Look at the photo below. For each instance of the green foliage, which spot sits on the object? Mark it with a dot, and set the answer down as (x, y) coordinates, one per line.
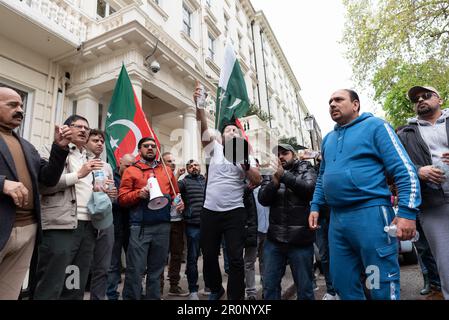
(411, 31)
(396, 44)
(254, 109)
(392, 82)
(291, 141)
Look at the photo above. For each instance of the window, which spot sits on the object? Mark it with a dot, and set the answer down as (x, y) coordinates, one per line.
(186, 21)
(210, 46)
(104, 9)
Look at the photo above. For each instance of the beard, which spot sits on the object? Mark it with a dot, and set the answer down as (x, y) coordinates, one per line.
(425, 110)
(195, 173)
(148, 157)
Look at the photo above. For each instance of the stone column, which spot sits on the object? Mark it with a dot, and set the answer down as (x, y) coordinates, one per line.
(137, 83)
(190, 139)
(87, 106)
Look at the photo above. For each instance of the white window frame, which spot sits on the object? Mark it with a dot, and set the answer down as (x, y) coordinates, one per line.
(211, 46)
(107, 10)
(187, 24)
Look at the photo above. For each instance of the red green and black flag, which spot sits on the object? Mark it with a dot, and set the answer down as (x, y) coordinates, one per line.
(126, 123)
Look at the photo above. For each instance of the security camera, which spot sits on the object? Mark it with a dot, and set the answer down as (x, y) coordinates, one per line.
(155, 66)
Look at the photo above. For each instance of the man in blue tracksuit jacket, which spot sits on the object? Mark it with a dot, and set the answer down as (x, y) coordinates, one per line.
(357, 158)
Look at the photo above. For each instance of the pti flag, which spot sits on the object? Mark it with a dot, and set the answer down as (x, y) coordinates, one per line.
(232, 98)
(126, 123)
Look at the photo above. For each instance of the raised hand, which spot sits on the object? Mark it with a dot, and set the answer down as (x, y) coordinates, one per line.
(63, 135)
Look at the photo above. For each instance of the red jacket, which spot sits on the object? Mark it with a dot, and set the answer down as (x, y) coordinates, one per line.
(136, 177)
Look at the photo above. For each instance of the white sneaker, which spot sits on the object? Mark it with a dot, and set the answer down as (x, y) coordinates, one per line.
(328, 296)
(193, 296)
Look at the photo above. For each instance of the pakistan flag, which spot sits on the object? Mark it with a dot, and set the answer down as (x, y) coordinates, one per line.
(232, 97)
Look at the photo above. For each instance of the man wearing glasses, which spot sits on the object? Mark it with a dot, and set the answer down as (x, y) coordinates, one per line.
(426, 140)
(149, 229)
(68, 238)
(21, 169)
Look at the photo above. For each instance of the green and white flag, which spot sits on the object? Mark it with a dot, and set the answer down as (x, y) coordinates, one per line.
(232, 97)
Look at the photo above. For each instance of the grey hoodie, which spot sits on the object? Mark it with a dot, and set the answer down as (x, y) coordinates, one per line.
(434, 135)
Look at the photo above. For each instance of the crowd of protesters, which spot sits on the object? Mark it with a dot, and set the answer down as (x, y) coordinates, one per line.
(68, 218)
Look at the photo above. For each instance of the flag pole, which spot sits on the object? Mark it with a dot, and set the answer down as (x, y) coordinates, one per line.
(219, 110)
(165, 168)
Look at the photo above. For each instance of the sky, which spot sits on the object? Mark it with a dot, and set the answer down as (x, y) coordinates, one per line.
(309, 33)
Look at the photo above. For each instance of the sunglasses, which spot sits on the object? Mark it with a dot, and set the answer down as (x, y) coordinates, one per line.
(425, 96)
(152, 146)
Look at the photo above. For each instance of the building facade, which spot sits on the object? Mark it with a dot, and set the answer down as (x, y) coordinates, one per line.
(64, 57)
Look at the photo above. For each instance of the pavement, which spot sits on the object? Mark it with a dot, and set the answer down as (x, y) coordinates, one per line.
(411, 284)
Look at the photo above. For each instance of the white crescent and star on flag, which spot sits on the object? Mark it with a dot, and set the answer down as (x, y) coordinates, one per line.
(132, 126)
(236, 102)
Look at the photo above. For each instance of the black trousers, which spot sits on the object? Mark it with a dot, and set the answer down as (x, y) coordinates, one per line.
(231, 224)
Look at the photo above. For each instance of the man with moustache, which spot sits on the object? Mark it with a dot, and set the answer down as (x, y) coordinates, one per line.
(192, 192)
(21, 170)
(68, 234)
(150, 229)
(426, 140)
(357, 157)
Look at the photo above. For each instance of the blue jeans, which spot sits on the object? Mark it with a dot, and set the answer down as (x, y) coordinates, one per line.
(358, 244)
(322, 241)
(301, 265)
(193, 252)
(121, 240)
(148, 247)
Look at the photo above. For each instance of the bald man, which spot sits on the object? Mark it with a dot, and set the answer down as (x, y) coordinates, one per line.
(121, 231)
(21, 169)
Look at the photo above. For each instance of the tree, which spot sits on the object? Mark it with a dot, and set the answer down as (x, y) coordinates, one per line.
(396, 44)
(291, 141)
(392, 82)
(254, 109)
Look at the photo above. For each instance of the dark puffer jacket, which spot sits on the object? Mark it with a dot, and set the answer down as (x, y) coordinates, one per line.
(192, 193)
(290, 205)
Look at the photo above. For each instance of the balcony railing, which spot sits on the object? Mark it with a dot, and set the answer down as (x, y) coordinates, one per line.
(53, 14)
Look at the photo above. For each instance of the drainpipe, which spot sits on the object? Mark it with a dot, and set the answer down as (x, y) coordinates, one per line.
(265, 74)
(255, 63)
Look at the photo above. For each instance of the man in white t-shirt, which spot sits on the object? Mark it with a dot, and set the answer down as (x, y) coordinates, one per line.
(224, 212)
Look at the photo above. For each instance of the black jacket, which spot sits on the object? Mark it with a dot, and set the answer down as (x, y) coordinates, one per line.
(192, 193)
(290, 205)
(251, 219)
(47, 173)
(420, 155)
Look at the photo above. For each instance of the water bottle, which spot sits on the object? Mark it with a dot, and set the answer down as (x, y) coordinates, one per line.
(201, 100)
(445, 168)
(99, 179)
(392, 229)
(174, 214)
